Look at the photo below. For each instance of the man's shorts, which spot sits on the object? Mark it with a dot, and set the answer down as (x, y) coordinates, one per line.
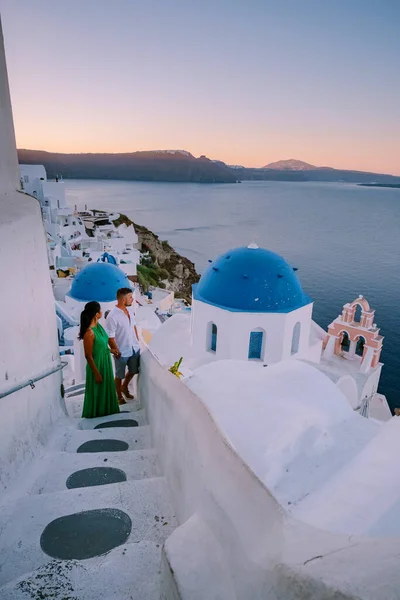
(132, 362)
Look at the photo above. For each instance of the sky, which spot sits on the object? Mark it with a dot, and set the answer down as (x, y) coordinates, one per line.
(243, 81)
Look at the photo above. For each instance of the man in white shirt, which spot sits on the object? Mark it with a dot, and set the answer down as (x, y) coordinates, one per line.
(124, 339)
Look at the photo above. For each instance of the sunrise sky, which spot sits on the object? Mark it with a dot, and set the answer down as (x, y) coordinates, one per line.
(245, 81)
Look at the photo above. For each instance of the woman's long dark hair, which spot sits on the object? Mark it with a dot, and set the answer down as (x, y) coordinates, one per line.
(87, 315)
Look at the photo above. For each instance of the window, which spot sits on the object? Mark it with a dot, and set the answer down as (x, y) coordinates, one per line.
(213, 337)
(358, 314)
(26, 179)
(296, 338)
(345, 343)
(360, 346)
(256, 344)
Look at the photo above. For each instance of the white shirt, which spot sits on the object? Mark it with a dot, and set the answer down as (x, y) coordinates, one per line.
(120, 327)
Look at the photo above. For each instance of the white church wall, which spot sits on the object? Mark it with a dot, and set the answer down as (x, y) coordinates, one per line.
(28, 335)
(314, 351)
(234, 328)
(234, 540)
(302, 316)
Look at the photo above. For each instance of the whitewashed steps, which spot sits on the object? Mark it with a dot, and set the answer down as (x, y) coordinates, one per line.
(130, 572)
(145, 501)
(56, 467)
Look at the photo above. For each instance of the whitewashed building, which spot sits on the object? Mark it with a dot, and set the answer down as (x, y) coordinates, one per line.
(238, 482)
(249, 305)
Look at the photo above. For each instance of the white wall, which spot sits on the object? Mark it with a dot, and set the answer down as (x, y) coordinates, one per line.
(28, 327)
(234, 332)
(28, 332)
(128, 268)
(55, 190)
(348, 387)
(234, 541)
(129, 233)
(33, 172)
(9, 171)
(372, 383)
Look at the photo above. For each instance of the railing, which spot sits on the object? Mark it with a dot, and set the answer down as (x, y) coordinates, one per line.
(32, 381)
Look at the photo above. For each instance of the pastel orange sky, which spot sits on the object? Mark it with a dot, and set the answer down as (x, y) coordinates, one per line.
(247, 83)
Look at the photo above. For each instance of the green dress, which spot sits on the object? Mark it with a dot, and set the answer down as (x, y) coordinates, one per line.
(100, 398)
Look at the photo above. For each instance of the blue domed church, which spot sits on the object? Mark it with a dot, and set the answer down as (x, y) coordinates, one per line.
(249, 305)
(97, 281)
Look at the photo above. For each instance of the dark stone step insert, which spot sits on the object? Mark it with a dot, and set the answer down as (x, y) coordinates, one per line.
(95, 476)
(86, 534)
(103, 446)
(120, 423)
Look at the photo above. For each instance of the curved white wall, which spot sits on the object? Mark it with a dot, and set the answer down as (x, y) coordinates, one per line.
(9, 172)
(28, 327)
(235, 541)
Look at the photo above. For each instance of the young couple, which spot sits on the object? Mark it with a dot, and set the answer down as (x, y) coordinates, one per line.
(103, 393)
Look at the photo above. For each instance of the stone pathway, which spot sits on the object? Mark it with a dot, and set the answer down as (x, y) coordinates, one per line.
(94, 516)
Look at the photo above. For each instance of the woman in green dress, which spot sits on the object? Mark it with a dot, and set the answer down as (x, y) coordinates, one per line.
(100, 394)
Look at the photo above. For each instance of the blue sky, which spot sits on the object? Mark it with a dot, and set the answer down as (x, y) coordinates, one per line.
(246, 82)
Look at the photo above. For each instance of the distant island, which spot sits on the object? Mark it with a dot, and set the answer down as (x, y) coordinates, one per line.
(382, 185)
(167, 165)
(182, 166)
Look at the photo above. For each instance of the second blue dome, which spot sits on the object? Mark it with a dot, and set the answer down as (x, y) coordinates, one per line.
(98, 281)
(251, 279)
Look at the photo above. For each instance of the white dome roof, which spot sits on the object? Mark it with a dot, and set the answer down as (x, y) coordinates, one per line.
(288, 421)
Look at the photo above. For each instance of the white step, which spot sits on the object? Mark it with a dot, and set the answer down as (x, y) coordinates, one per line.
(138, 416)
(69, 439)
(55, 467)
(130, 572)
(21, 524)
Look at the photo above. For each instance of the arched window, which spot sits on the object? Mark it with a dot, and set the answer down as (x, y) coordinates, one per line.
(256, 344)
(345, 343)
(357, 314)
(212, 337)
(296, 338)
(360, 346)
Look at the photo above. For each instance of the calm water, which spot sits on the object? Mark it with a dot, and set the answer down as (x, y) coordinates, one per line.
(344, 239)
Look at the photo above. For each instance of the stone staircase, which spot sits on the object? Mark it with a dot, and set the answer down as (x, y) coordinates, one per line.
(118, 508)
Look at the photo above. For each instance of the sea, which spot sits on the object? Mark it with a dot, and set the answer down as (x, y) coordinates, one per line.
(343, 238)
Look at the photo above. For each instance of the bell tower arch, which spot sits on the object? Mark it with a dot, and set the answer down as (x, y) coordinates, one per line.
(355, 340)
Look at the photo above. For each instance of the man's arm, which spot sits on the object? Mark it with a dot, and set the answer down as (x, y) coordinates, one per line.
(113, 347)
(110, 328)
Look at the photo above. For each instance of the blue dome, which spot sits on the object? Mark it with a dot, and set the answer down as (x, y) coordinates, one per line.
(99, 281)
(251, 280)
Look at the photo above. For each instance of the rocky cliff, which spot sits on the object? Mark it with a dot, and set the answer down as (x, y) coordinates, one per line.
(178, 271)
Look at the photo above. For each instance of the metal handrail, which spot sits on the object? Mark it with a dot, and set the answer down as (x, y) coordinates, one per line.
(32, 381)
